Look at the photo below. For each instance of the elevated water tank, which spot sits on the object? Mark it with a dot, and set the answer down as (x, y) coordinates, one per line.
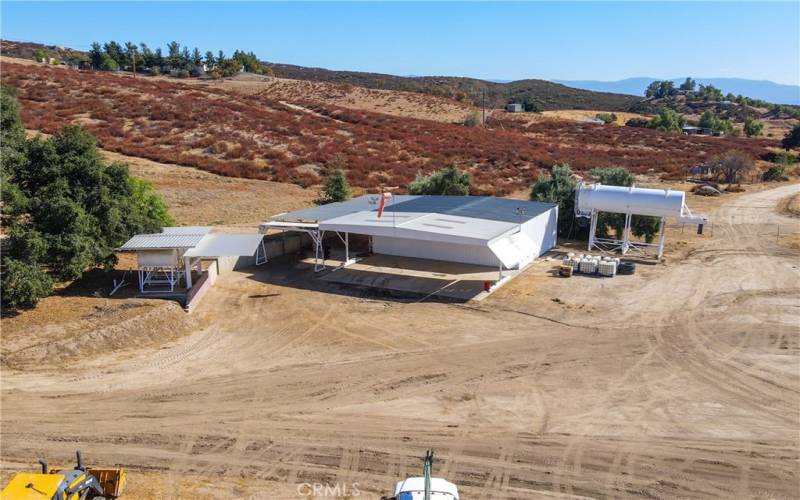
(639, 201)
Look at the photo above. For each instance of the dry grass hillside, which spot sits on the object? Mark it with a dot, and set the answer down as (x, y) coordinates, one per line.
(290, 137)
(390, 102)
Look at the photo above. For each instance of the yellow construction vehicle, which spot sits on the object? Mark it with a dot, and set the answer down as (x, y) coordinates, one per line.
(80, 483)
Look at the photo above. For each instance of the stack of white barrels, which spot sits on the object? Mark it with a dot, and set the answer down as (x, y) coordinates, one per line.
(608, 266)
(573, 261)
(592, 264)
(588, 264)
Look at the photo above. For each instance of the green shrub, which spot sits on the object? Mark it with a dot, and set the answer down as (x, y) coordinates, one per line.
(336, 188)
(792, 138)
(784, 158)
(558, 187)
(607, 118)
(753, 128)
(449, 181)
(667, 120)
(775, 173)
(473, 119)
(637, 122)
(24, 284)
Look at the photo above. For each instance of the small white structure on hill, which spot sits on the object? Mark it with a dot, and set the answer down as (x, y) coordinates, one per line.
(594, 198)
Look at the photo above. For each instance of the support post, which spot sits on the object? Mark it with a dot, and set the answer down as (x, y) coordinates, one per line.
(626, 234)
(592, 230)
(187, 264)
(346, 248)
(317, 237)
(261, 253)
(500, 273)
(661, 230)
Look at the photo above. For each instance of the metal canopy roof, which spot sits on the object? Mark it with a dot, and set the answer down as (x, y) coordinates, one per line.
(196, 241)
(478, 207)
(161, 241)
(226, 245)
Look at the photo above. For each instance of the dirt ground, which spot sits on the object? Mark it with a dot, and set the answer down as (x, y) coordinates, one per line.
(681, 381)
(196, 197)
(584, 115)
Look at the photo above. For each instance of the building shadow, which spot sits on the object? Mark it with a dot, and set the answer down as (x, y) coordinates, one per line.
(292, 271)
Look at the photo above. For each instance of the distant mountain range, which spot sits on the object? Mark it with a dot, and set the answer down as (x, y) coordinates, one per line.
(757, 89)
(546, 94)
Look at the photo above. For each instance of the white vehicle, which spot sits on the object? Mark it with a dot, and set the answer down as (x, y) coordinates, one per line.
(426, 487)
(413, 488)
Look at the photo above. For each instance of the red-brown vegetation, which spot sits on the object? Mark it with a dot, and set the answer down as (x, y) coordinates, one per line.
(259, 137)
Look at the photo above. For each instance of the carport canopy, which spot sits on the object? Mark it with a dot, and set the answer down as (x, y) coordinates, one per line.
(226, 245)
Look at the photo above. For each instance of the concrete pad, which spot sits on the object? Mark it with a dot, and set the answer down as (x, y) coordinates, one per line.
(416, 276)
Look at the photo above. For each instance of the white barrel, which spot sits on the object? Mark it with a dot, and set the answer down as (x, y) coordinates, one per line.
(588, 266)
(607, 268)
(639, 201)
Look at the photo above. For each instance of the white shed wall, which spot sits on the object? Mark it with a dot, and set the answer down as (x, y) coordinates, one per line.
(157, 258)
(436, 250)
(540, 236)
(542, 230)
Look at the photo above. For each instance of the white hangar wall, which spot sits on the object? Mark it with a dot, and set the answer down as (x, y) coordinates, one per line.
(539, 233)
(436, 250)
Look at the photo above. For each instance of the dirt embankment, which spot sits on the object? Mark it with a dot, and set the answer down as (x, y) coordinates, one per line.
(790, 205)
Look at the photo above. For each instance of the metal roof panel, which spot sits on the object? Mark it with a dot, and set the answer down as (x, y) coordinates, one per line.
(161, 241)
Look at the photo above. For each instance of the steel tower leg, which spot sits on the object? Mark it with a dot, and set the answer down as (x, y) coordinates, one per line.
(592, 230)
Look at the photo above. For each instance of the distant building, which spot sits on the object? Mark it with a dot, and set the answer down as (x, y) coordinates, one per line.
(704, 170)
(692, 130)
(514, 107)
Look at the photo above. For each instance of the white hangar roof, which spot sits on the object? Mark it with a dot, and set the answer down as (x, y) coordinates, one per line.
(471, 220)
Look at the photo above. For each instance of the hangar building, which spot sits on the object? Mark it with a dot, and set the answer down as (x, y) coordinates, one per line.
(481, 230)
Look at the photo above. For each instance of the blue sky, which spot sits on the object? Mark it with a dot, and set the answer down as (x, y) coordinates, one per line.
(565, 40)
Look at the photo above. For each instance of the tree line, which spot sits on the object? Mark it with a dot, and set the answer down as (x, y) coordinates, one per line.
(64, 209)
(177, 59)
(669, 120)
(665, 89)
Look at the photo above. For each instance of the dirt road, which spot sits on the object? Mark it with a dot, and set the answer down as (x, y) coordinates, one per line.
(680, 381)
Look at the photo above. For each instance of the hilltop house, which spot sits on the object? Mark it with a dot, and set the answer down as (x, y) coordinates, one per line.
(693, 130)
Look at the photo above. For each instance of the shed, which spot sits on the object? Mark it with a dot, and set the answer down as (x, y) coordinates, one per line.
(165, 259)
(514, 107)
